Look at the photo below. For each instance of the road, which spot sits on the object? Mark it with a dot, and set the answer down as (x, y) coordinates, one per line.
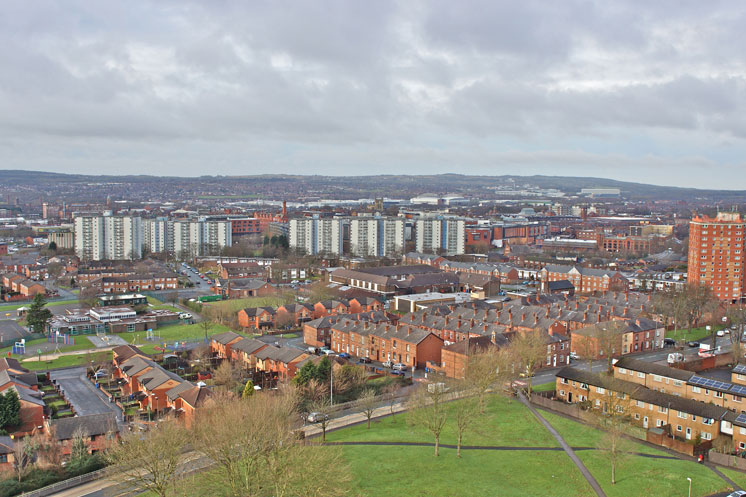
(548, 375)
(82, 394)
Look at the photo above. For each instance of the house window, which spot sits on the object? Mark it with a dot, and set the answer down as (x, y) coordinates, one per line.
(719, 395)
(3, 458)
(657, 378)
(696, 390)
(741, 445)
(562, 393)
(600, 390)
(707, 421)
(677, 383)
(742, 430)
(564, 381)
(678, 427)
(681, 414)
(706, 436)
(736, 398)
(640, 404)
(640, 374)
(662, 409)
(637, 416)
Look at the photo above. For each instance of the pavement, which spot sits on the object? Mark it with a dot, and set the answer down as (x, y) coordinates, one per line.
(82, 394)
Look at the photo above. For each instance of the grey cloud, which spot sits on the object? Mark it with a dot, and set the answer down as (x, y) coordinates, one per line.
(390, 85)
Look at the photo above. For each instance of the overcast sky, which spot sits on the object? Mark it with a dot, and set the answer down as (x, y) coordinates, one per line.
(641, 91)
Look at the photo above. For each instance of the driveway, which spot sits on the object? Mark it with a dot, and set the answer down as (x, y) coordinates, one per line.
(82, 394)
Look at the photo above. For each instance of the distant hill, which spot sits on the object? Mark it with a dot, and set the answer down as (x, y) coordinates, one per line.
(389, 185)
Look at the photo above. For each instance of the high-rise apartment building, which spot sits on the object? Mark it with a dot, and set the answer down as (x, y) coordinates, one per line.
(440, 235)
(108, 237)
(716, 254)
(314, 235)
(376, 236)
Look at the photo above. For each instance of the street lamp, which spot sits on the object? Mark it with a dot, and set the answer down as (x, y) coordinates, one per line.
(690, 486)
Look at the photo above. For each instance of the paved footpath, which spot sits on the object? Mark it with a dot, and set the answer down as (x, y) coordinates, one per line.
(568, 450)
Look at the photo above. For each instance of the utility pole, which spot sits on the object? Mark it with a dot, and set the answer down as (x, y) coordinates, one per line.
(331, 384)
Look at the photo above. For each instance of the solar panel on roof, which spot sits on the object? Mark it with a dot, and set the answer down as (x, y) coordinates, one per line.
(741, 418)
(740, 368)
(738, 389)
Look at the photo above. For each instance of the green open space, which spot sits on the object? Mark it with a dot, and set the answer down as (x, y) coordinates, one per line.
(544, 387)
(637, 475)
(61, 362)
(381, 470)
(81, 343)
(235, 305)
(505, 422)
(738, 477)
(691, 333)
(14, 307)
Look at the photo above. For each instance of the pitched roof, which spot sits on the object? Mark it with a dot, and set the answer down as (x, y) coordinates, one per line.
(641, 393)
(248, 345)
(652, 368)
(196, 396)
(93, 424)
(124, 352)
(226, 338)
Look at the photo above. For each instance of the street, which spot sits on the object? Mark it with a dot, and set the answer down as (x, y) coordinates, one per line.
(83, 395)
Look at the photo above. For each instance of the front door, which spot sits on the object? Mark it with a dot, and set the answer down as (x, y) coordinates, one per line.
(688, 433)
(645, 422)
(569, 397)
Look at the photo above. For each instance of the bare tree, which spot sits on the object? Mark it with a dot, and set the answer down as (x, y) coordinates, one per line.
(23, 457)
(367, 403)
(529, 349)
(206, 325)
(737, 318)
(390, 394)
(256, 452)
(150, 462)
(465, 415)
(284, 320)
(322, 411)
(428, 411)
(172, 298)
(611, 415)
(486, 370)
(88, 296)
(227, 375)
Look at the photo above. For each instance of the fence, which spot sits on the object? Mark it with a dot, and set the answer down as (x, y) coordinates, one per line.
(65, 484)
(727, 460)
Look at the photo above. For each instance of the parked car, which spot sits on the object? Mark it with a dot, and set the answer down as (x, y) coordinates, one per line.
(399, 367)
(737, 493)
(101, 373)
(185, 315)
(364, 360)
(344, 355)
(313, 350)
(387, 364)
(574, 356)
(693, 344)
(327, 351)
(396, 372)
(668, 341)
(316, 417)
(720, 333)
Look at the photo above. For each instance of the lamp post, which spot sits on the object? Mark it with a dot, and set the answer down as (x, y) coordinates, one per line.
(331, 385)
(690, 486)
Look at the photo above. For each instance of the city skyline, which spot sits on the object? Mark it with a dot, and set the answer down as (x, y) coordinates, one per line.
(649, 94)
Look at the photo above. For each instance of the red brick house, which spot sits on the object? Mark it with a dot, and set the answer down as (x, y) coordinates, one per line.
(330, 307)
(243, 352)
(220, 345)
(633, 336)
(241, 288)
(300, 313)
(256, 317)
(99, 431)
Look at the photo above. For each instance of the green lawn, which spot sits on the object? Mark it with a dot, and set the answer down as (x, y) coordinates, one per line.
(81, 343)
(546, 387)
(176, 332)
(414, 471)
(61, 362)
(505, 422)
(13, 307)
(691, 334)
(636, 475)
(235, 305)
(737, 476)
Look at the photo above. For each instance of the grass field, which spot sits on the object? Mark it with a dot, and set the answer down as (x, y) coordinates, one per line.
(414, 471)
(737, 476)
(545, 387)
(81, 343)
(691, 334)
(637, 475)
(235, 305)
(13, 307)
(61, 362)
